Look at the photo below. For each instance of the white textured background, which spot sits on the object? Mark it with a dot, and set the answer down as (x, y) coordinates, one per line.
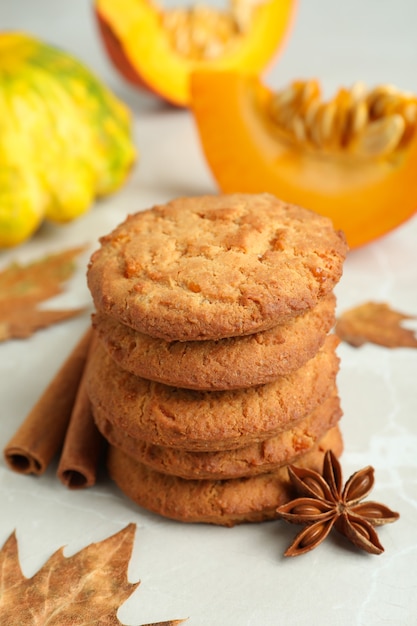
(216, 576)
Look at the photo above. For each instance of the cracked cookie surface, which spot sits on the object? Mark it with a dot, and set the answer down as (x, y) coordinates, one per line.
(211, 267)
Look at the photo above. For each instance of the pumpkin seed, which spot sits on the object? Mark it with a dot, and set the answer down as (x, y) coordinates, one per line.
(381, 137)
(371, 123)
(202, 32)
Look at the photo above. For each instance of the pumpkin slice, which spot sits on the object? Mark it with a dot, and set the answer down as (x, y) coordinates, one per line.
(159, 49)
(352, 158)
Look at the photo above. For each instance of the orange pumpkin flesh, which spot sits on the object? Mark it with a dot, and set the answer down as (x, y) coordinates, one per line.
(139, 46)
(364, 196)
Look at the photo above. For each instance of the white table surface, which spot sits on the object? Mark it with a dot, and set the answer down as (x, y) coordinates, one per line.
(218, 576)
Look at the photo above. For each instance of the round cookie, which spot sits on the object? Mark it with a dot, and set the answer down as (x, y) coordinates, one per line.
(215, 266)
(228, 363)
(207, 420)
(222, 502)
(257, 458)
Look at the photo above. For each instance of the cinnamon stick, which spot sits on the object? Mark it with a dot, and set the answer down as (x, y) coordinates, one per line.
(83, 442)
(41, 434)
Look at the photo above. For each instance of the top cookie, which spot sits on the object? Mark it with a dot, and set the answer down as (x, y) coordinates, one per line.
(211, 267)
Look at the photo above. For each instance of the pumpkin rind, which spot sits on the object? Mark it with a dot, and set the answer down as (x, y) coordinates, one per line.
(64, 137)
(139, 47)
(365, 197)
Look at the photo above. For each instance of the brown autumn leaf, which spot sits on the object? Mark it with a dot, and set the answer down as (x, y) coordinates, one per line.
(375, 323)
(84, 589)
(24, 287)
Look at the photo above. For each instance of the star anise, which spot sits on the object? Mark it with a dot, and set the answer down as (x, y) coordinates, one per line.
(325, 504)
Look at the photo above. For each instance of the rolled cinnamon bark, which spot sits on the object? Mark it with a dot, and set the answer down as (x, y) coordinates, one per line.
(41, 434)
(83, 443)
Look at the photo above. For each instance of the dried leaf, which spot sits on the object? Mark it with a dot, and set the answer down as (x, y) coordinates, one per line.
(376, 323)
(171, 622)
(84, 589)
(23, 287)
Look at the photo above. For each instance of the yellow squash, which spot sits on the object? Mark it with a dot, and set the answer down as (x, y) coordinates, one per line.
(64, 137)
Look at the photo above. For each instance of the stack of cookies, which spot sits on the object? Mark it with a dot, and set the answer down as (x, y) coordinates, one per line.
(215, 366)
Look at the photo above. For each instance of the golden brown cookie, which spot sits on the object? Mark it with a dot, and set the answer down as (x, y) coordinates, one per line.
(257, 458)
(223, 364)
(208, 420)
(223, 502)
(215, 266)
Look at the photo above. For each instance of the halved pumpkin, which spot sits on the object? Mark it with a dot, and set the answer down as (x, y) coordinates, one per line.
(159, 49)
(353, 159)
